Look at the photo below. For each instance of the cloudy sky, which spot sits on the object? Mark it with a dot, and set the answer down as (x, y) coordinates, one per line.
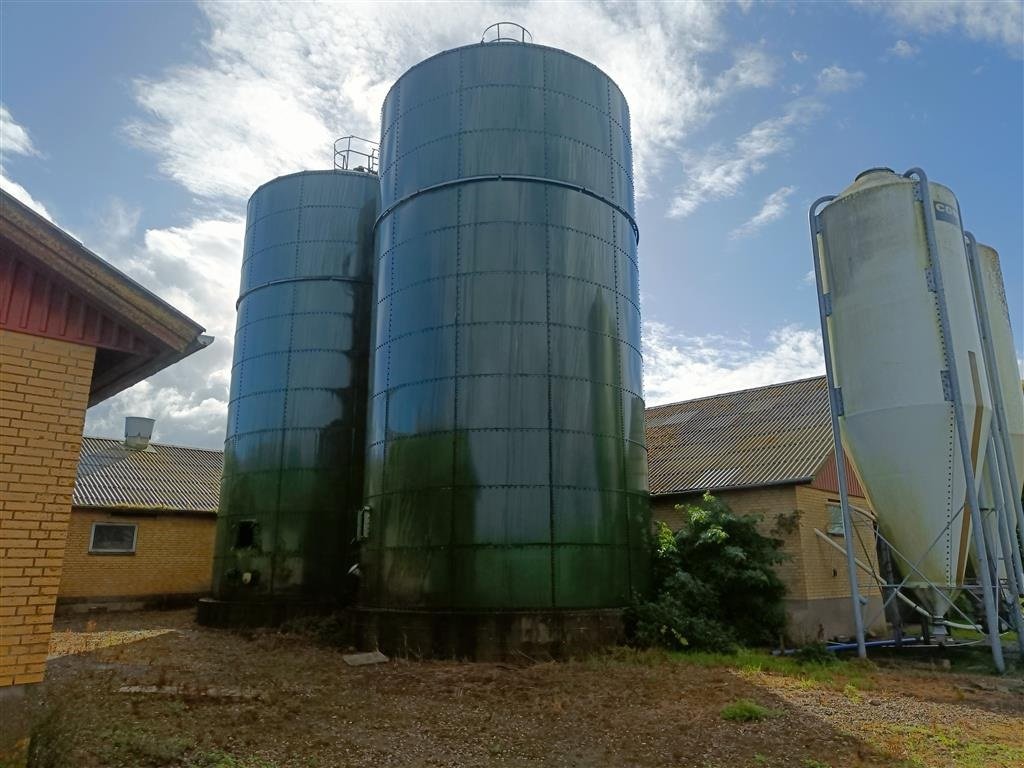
(143, 127)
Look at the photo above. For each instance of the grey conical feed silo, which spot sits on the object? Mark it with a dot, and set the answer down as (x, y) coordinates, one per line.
(293, 457)
(507, 500)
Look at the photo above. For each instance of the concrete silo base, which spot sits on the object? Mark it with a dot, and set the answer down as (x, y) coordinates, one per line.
(487, 636)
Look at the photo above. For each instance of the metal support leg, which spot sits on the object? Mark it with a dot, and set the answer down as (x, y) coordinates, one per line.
(835, 409)
(953, 381)
(1010, 556)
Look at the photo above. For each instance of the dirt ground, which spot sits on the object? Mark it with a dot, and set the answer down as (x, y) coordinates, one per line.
(154, 689)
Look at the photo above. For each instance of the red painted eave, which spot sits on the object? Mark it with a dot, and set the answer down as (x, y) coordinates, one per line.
(53, 286)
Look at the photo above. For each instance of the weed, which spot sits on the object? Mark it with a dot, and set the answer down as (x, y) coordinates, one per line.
(815, 653)
(218, 759)
(747, 711)
(851, 692)
(52, 738)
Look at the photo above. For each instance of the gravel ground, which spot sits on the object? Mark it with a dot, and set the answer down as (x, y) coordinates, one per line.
(987, 731)
(67, 643)
(173, 694)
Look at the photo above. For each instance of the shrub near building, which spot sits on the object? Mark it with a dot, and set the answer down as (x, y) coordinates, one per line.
(715, 584)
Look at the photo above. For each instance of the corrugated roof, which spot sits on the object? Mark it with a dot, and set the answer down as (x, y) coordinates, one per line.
(763, 436)
(163, 477)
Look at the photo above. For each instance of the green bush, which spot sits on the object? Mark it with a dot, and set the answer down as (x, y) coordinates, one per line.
(714, 584)
(747, 711)
(815, 653)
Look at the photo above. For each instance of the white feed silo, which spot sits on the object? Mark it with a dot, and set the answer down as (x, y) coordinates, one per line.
(1009, 374)
(1004, 462)
(890, 357)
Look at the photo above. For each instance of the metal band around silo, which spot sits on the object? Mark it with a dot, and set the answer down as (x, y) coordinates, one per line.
(510, 177)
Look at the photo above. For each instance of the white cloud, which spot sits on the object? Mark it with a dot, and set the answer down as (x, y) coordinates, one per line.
(282, 79)
(753, 69)
(901, 49)
(799, 57)
(196, 269)
(681, 367)
(835, 79)
(989, 21)
(18, 192)
(715, 173)
(809, 278)
(14, 139)
(775, 206)
(279, 81)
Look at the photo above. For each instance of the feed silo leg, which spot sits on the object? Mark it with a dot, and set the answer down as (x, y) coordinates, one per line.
(835, 410)
(951, 385)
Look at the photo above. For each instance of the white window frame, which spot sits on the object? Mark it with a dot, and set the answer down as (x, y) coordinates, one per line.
(92, 539)
(835, 528)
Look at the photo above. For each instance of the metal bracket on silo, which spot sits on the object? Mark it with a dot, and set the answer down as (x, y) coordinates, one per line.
(947, 386)
(950, 381)
(837, 398)
(836, 409)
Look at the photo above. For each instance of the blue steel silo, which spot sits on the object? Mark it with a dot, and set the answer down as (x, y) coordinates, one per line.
(506, 478)
(293, 457)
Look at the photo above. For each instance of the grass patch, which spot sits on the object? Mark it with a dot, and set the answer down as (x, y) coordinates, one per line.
(835, 674)
(920, 745)
(747, 711)
(220, 759)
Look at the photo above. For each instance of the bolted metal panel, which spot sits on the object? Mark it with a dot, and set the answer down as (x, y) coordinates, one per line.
(293, 457)
(506, 464)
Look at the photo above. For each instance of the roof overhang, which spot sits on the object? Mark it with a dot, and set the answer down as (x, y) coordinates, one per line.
(720, 489)
(53, 286)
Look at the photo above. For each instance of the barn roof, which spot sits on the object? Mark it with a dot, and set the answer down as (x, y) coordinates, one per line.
(160, 478)
(769, 435)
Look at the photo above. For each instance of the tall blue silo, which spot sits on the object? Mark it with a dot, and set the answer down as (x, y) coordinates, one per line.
(506, 476)
(293, 457)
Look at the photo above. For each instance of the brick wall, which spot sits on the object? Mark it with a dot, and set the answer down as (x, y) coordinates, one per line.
(173, 555)
(44, 390)
(825, 565)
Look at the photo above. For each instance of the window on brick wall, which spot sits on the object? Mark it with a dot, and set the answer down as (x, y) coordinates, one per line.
(835, 520)
(113, 538)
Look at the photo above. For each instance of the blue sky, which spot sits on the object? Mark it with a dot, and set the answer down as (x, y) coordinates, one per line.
(142, 128)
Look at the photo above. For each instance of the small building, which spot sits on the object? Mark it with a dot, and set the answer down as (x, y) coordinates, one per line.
(73, 332)
(143, 518)
(768, 451)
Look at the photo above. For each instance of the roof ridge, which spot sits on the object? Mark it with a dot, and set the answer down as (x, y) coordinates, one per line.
(737, 392)
(154, 443)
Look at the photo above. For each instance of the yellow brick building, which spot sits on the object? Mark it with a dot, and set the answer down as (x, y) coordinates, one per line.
(73, 332)
(142, 525)
(768, 452)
